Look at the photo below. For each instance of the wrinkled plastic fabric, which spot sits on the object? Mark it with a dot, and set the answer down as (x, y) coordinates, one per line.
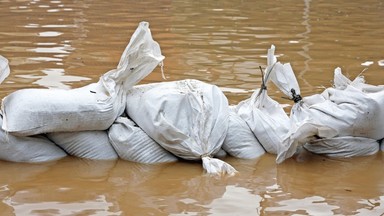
(92, 107)
(264, 116)
(343, 147)
(133, 144)
(92, 145)
(33, 149)
(240, 142)
(189, 118)
(341, 111)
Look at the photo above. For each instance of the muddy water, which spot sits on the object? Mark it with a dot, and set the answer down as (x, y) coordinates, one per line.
(70, 43)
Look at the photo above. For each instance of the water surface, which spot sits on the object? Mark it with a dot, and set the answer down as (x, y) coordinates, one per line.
(70, 43)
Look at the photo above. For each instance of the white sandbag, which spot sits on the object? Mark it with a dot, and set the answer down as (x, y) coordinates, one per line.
(93, 145)
(240, 142)
(264, 116)
(92, 107)
(4, 68)
(28, 149)
(133, 144)
(343, 147)
(341, 111)
(189, 118)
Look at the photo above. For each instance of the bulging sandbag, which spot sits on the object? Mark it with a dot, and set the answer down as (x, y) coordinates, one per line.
(240, 142)
(92, 107)
(31, 149)
(133, 144)
(92, 145)
(189, 118)
(265, 116)
(344, 146)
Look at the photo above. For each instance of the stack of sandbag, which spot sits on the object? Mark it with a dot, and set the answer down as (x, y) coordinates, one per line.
(345, 120)
(265, 117)
(133, 144)
(77, 120)
(189, 118)
(92, 107)
(25, 149)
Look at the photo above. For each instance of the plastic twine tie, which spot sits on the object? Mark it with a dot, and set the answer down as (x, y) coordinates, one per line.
(295, 97)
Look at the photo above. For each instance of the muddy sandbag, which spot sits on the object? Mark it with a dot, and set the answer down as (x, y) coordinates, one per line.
(240, 142)
(133, 144)
(343, 147)
(30, 149)
(189, 118)
(92, 107)
(93, 145)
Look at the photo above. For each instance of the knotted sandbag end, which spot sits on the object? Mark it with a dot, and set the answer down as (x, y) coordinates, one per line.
(216, 166)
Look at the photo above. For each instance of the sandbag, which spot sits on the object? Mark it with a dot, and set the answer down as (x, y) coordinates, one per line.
(93, 145)
(133, 144)
(265, 117)
(92, 107)
(4, 68)
(240, 142)
(189, 118)
(31, 149)
(343, 147)
(342, 110)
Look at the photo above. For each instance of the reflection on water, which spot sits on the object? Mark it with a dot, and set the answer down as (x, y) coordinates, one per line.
(99, 206)
(70, 43)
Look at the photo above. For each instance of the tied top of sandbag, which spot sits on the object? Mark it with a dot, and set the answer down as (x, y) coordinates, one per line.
(283, 77)
(139, 58)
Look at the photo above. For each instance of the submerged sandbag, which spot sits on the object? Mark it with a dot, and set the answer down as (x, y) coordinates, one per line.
(92, 107)
(93, 145)
(28, 149)
(133, 144)
(343, 147)
(240, 142)
(189, 118)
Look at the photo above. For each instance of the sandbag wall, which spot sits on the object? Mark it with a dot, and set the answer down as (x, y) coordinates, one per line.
(186, 119)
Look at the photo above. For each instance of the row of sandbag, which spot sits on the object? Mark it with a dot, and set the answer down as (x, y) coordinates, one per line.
(191, 124)
(163, 109)
(178, 119)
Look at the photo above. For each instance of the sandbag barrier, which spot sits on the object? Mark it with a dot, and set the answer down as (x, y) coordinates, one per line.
(187, 119)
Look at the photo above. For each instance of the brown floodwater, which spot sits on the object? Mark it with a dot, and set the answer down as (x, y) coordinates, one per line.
(70, 43)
